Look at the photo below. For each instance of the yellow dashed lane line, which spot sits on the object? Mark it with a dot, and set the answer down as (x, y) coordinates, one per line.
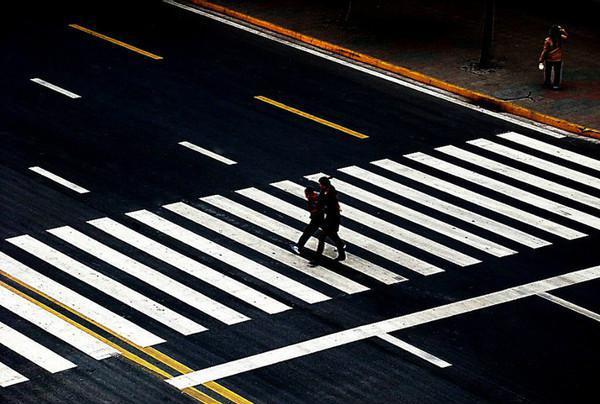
(115, 41)
(311, 117)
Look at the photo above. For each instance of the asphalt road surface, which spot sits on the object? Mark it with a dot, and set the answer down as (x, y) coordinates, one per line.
(149, 197)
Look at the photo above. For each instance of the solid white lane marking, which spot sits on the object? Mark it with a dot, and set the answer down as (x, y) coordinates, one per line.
(208, 153)
(390, 229)
(150, 276)
(481, 200)
(432, 91)
(77, 302)
(59, 180)
(363, 332)
(378, 273)
(257, 244)
(31, 350)
(421, 219)
(434, 360)
(537, 162)
(9, 377)
(552, 150)
(190, 266)
(522, 176)
(445, 207)
(508, 190)
(291, 234)
(55, 325)
(55, 88)
(107, 285)
(571, 306)
(229, 257)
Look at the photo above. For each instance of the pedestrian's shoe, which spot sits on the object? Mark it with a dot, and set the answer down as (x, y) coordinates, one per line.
(295, 248)
(313, 263)
(340, 257)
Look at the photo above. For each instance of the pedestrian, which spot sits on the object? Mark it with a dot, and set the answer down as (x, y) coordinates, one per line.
(317, 216)
(329, 204)
(551, 56)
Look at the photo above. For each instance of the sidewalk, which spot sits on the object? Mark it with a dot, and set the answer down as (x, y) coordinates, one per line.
(443, 41)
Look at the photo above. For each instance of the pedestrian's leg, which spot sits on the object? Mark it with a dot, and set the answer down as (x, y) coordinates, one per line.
(321, 245)
(309, 230)
(547, 74)
(339, 244)
(557, 75)
(319, 253)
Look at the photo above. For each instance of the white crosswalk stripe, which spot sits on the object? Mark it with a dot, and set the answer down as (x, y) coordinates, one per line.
(392, 230)
(33, 351)
(83, 305)
(243, 238)
(9, 377)
(539, 163)
(107, 285)
(481, 200)
(445, 207)
(421, 219)
(552, 150)
(291, 234)
(382, 275)
(522, 176)
(508, 190)
(150, 276)
(229, 257)
(190, 266)
(257, 244)
(55, 325)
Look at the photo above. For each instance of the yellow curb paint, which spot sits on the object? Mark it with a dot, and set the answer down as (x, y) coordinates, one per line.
(474, 96)
(311, 117)
(115, 41)
(164, 359)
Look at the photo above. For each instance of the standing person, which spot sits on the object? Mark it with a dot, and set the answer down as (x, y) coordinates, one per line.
(317, 215)
(328, 202)
(552, 55)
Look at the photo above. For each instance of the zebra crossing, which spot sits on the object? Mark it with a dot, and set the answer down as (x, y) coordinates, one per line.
(226, 257)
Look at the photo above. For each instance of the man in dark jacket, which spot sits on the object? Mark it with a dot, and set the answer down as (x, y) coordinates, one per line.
(329, 204)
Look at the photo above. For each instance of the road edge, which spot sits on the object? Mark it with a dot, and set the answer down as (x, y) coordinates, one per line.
(480, 99)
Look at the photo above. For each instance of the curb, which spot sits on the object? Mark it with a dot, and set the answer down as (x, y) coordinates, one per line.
(478, 98)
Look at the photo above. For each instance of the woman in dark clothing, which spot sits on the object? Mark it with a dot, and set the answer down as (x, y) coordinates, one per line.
(317, 215)
(552, 55)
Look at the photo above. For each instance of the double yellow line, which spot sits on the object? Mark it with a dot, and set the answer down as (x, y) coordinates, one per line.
(125, 350)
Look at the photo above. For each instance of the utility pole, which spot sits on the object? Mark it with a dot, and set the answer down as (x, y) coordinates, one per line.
(487, 45)
(348, 12)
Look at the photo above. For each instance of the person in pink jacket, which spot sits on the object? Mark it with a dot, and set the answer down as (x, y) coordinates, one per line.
(552, 55)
